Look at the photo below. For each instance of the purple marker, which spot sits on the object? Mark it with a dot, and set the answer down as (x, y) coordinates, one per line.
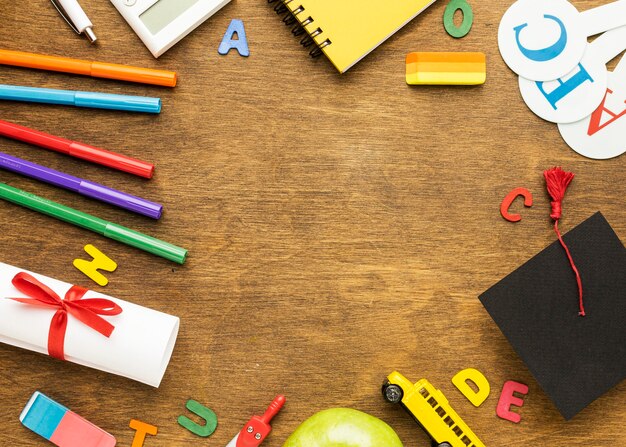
(83, 187)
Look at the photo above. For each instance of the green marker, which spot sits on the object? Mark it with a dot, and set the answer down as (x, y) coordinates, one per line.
(95, 224)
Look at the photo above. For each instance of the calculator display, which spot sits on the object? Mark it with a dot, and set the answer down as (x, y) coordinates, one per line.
(164, 12)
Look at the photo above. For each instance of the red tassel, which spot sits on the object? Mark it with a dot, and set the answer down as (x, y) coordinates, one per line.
(557, 181)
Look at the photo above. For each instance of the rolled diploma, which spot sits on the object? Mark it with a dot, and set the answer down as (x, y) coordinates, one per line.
(139, 348)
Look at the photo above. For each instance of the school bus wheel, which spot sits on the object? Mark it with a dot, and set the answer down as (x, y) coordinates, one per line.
(392, 393)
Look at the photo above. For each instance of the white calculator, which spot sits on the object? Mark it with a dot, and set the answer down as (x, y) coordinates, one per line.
(160, 24)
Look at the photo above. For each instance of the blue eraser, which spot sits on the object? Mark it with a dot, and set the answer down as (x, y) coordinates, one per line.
(42, 415)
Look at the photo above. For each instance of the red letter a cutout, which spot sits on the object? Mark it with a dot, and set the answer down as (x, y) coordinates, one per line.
(596, 124)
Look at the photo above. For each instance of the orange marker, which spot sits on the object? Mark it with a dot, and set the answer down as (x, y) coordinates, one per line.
(446, 68)
(95, 69)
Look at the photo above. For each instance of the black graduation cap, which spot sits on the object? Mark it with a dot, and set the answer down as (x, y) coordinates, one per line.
(575, 359)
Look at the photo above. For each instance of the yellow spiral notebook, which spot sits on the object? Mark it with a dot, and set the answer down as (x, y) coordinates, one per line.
(347, 30)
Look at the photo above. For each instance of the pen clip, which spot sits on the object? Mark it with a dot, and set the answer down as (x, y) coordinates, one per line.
(64, 14)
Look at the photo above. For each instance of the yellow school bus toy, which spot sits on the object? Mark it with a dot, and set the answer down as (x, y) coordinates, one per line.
(431, 410)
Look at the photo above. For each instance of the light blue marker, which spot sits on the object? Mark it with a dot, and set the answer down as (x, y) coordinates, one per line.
(94, 100)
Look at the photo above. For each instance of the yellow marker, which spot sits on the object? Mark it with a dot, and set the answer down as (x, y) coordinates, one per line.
(481, 382)
(446, 68)
(100, 262)
(431, 410)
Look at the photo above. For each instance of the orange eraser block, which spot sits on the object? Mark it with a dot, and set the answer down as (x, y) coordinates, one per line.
(446, 68)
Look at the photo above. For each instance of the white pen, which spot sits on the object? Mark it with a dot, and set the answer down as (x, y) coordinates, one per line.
(74, 15)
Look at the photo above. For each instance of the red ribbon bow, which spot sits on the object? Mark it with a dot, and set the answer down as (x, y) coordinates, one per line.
(88, 311)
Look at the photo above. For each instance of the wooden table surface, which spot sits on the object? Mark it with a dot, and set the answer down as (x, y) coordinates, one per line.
(339, 226)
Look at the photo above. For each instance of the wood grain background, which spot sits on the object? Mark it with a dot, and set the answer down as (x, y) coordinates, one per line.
(339, 227)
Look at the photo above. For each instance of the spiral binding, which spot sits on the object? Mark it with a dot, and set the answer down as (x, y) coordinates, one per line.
(299, 28)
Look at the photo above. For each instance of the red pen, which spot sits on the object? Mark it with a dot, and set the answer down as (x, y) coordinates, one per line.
(257, 428)
(76, 149)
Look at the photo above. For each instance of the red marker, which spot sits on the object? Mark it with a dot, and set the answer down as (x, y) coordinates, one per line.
(78, 150)
(257, 428)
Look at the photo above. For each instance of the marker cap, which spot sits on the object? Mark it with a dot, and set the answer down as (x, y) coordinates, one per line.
(111, 159)
(118, 198)
(146, 243)
(133, 74)
(144, 104)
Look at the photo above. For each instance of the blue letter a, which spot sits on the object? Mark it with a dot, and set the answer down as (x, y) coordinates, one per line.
(240, 44)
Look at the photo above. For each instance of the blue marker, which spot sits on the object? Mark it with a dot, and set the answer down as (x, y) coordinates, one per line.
(61, 426)
(80, 99)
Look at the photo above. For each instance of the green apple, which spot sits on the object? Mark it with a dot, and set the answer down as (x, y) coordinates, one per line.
(343, 427)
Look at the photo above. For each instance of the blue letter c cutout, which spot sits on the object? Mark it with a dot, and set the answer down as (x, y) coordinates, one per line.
(548, 53)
